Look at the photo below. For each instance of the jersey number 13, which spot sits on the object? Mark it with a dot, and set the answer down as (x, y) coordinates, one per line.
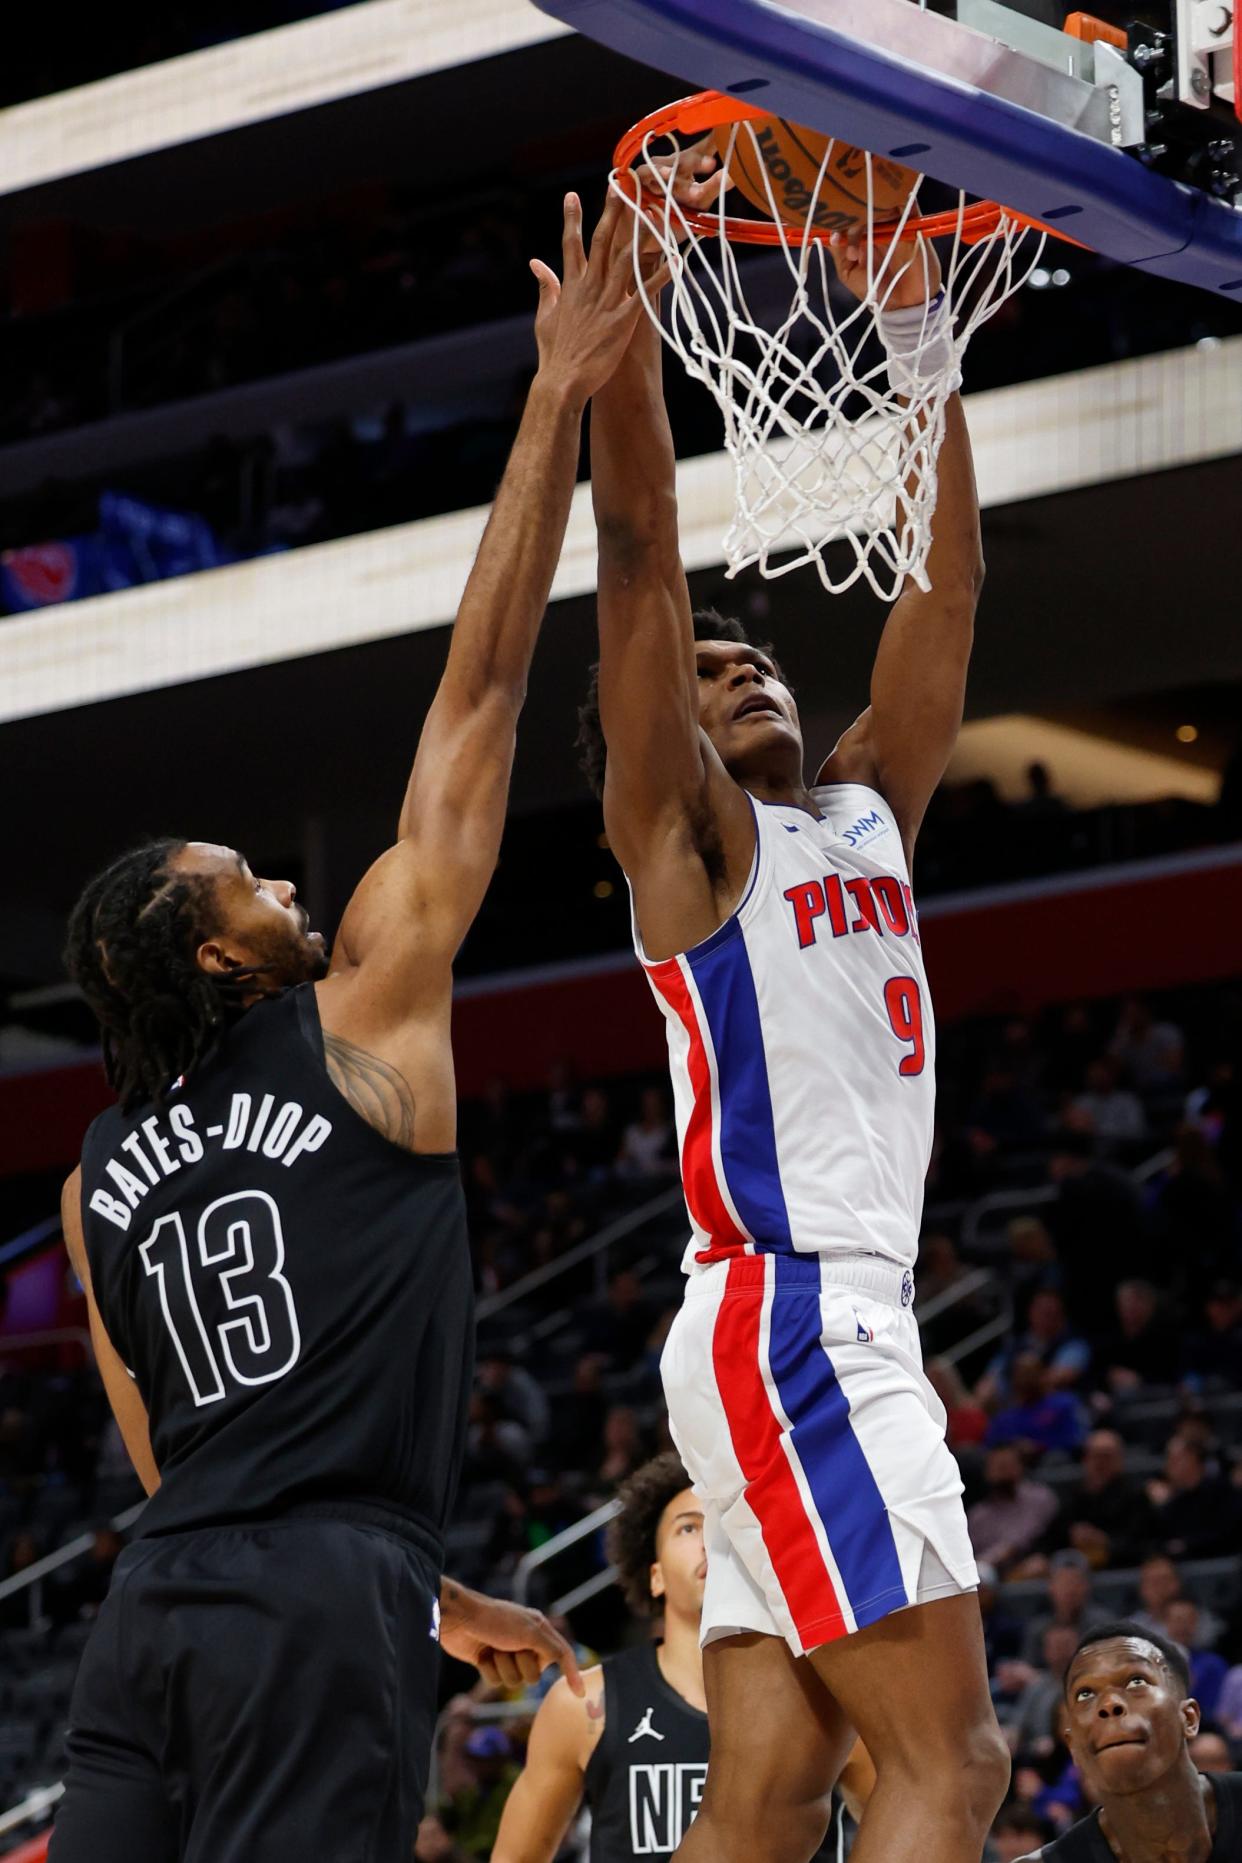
(238, 1252)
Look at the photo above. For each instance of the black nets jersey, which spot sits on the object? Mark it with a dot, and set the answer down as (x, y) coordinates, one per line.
(1086, 1843)
(291, 1292)
(645, 1778)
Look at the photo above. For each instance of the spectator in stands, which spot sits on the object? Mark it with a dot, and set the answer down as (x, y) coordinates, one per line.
(1031, 1728)
(1196, 1214)
(1099, 1227)
(1160, 1583)
(1071, 1043)
(1112, 1112)
(1015, 1512)
(1106, 1516)
(1045, 1420)
(967, 1420)
(1018, 1833)
(1152, 1053)
(578, 1423)
(591, 1150)
(21, 1452)
(518, 1396)
(1229, 1704)
(1048, 1337)
(23, 1552)
(620, 1327)
(1207, 1669)
(1073, 1606)
(1005, 1116)
(1213, 1357)
(1041, 802)
(434, 1845)
(1002, 1634)
(648, 1145)
(78, 1592)
(497, 1447)
(941, 1271)
(1143, 1348)
(1211, 1753)
(624, 1448)
(1196, 1513)
(474, 1814)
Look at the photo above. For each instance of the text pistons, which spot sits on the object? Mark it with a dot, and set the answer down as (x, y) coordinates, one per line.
(840, 907)
(161, 1147)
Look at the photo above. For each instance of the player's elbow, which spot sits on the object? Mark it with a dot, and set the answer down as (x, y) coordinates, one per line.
(636, 541)
(978, 574)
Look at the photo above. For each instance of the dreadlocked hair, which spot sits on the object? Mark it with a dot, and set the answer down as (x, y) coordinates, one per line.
(593, 753)
(131, 951)
(632, 1534)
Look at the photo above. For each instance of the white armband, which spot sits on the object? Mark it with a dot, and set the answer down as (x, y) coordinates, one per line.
(922, 350)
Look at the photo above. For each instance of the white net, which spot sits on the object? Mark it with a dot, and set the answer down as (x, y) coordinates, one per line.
(824, 448)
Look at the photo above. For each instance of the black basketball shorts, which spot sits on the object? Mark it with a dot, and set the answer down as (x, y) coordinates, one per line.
(261, 1694)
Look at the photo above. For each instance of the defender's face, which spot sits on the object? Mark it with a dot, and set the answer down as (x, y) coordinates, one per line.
(744, 706)
(680, 1571)
(258, 922)
(1128, 1722)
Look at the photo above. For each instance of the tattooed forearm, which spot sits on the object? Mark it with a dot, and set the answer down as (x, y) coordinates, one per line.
(373, 1088)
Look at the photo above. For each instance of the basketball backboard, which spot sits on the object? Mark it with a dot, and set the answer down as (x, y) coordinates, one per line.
(1126, 139)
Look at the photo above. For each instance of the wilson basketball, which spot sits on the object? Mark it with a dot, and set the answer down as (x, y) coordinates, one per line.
(791, 157)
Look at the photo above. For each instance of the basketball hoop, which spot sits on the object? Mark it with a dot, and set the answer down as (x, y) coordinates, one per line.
(824, 447)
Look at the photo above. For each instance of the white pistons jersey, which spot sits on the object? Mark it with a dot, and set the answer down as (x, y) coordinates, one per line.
(802, 1045)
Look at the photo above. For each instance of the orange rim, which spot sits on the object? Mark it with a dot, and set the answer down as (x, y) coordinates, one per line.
(694, 116)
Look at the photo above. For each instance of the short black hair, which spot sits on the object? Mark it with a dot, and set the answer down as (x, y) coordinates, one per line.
(593, 753)
(1126, 1630)
(632, 1534)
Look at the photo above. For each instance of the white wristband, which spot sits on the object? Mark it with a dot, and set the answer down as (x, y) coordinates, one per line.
(921, 349)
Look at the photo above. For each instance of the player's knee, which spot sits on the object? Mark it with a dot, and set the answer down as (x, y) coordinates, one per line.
(964, 1770)
(754, 1823)
(987, 1767)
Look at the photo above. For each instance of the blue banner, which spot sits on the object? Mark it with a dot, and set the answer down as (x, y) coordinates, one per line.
(136, 542)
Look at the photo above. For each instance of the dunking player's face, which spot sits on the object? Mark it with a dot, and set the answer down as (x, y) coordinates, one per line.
(1128, 1720)
(257, 922)
(680, 1570)
(748, 713)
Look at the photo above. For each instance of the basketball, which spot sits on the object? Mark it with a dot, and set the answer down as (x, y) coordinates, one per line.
(792, 158)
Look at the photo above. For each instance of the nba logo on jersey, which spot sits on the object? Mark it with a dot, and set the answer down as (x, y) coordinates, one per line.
(434, 1632)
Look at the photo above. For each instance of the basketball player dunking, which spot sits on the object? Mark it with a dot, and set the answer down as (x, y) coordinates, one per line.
(636, 1746)
(778, 932)
(271, 1233)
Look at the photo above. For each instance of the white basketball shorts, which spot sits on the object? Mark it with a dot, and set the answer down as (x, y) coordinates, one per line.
(798, 1403)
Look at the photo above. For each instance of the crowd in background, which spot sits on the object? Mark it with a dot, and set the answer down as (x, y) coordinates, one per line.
(1102, 1433)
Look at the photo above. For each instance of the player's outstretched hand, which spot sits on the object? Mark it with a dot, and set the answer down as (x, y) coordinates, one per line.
(588, 315)
(695, 177)
(899, 274)
(509, 1644)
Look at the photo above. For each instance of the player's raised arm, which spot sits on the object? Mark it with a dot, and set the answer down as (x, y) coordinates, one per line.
(648, 707)
(665, 793)
(902, 744)
(418, 901)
